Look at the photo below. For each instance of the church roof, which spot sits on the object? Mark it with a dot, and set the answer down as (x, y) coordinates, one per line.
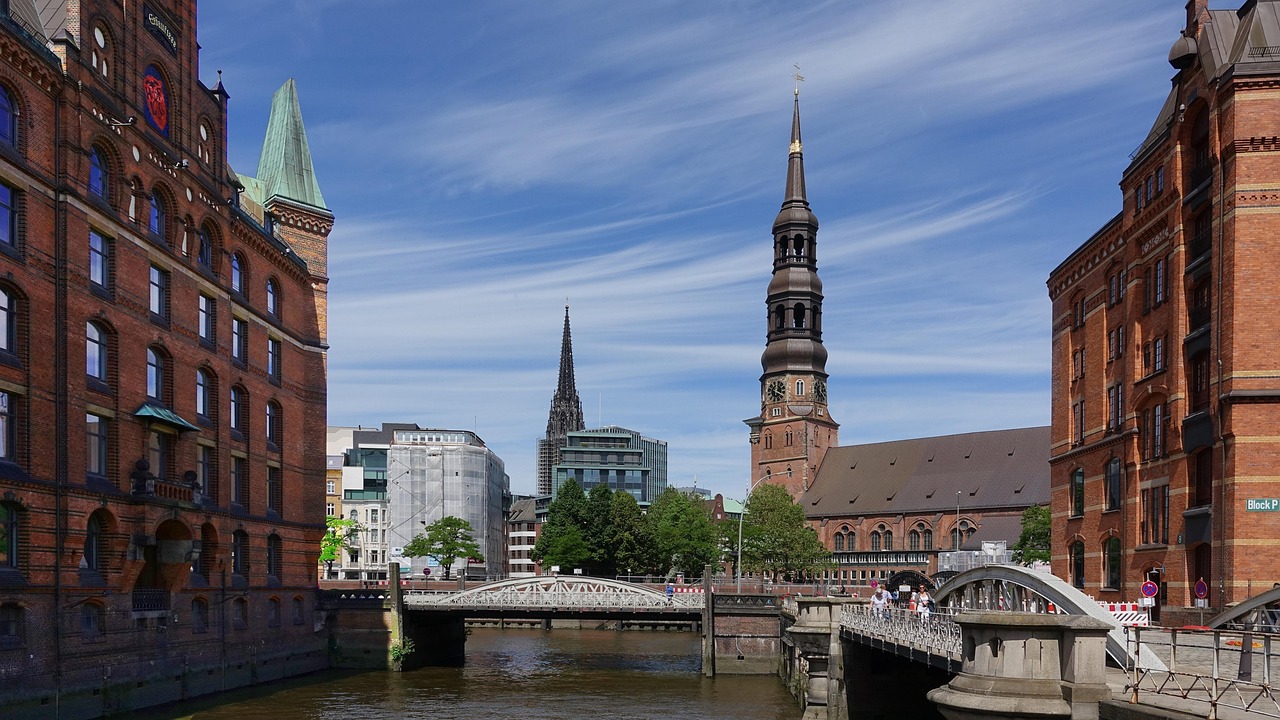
(990, 470)
(284, 168)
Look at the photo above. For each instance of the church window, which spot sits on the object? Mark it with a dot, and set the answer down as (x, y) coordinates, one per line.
(839, 543)
(779, 315)
(768, 441)
(790, 437)
(799, 387)
(799, 316)
(799, 246)
(776, 412)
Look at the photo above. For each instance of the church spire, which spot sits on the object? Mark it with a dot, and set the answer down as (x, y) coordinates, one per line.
(790, 436)
(565, 415)
(566, 387)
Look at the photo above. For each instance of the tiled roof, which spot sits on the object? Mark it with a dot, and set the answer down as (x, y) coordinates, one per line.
(990, 470)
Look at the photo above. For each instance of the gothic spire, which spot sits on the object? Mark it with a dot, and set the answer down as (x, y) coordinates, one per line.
(565, 387)
(795, 205)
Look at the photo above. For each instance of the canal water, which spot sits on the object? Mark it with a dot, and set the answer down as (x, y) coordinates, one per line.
(522, 675)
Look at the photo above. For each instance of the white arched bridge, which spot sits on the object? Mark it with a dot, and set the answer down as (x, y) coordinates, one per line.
(561, 596)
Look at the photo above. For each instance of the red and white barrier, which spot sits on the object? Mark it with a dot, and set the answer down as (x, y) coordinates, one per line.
(688, 589)
(1129, 614)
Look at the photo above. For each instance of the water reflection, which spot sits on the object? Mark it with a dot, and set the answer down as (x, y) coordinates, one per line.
(530, 675)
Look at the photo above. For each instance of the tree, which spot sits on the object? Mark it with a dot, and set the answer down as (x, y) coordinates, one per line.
(598, 531)
(629, 536)
(776, 538)
(682, 533)
(446, 540)
(1034, 543)
(563, 540)
(339, 535)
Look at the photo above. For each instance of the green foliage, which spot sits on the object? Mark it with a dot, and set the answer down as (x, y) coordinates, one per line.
(446, 540)
(401, 649)
(776, 538)
(629, 537)
(683, 536)
(563, 540)
(1035, 541)
(338, 536)
(599, 535)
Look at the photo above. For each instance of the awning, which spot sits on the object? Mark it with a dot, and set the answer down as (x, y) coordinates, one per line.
(157, 413)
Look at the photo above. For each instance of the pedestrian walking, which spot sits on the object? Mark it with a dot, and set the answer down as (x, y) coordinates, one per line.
(880, 603)
(923, 603)
(671, 593)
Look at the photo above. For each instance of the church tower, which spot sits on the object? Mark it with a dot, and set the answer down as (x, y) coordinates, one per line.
(794, 429)
(565, 415)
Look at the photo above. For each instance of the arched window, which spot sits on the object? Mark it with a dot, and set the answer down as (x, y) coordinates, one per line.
(155, 375)
(237, 408)
(100, 52)
(928, 539)
(99, 174)
(240, 552)
(779, 317)
(1111, 558)
(204, 393)
(93, 620)
(240, 614)
(960, 532)
(204, 254)
(1077, 564)
(799, 387)
(8, 321)
(8, 119)
(839, 541)
(798, 243)
(275, 556)
(159, 214)
(799, 316)
(274, 422)
(199, 615)
(875, 540)
(273, 297)
(913, 540)
(1077, 492)
(93, 543)
(768, 441)
(96, 352)
(273, 612)
(237, 273)
(1113, 484)
(888, 539)
(160, 454)
(10, 549)
(789, 438)
(299, 609)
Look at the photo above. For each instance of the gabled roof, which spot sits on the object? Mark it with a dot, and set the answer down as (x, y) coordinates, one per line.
(990, 470)
(284, 168)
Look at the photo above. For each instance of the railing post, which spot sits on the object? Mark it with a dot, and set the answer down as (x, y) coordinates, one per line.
(1137, 661)
(1213, 697)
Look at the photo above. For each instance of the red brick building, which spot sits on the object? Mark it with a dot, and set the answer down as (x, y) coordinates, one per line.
(162, 368)
(1166, 405)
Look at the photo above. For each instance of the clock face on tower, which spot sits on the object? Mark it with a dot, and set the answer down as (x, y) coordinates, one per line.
(819, 391)
(776, 391)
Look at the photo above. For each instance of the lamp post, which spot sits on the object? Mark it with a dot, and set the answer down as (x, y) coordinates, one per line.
(958, 538)
(737, 566)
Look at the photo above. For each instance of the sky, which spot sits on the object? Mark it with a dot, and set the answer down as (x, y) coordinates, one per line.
(489, 161)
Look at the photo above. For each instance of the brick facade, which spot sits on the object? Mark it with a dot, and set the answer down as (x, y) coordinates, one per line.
(118, 535)
(1165, 403)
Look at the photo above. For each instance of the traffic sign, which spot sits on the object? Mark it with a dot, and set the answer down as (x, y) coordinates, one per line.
(1202, 589)
(1149, 589)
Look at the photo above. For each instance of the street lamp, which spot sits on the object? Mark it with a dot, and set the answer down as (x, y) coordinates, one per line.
(737, 567)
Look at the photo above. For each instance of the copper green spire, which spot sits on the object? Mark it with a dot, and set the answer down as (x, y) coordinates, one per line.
(285, 167)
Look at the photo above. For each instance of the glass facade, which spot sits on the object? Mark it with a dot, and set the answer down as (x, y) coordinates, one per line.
(621, 458)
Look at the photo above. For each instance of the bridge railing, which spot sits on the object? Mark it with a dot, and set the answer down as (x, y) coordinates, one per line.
(937, 633)
(1220, 668)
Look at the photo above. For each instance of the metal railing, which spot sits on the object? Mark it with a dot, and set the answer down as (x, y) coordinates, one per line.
(937, 633)
(150, 600)
(561, 594)
(1225, 669)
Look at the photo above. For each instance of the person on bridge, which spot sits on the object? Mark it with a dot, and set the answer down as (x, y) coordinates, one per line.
(671, 593)
(880, 603)
(923, 604)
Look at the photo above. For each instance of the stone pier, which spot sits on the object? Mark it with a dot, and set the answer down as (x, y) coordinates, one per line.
(1027, 665)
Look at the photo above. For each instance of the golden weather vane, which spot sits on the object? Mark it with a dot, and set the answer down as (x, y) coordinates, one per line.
(799, 78)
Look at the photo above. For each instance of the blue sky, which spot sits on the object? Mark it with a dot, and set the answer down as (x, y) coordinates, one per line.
(488, 160)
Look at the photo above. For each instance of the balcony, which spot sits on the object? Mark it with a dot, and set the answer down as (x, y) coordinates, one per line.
(1197, 317)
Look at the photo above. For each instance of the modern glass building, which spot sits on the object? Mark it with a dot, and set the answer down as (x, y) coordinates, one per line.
(621, 458)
